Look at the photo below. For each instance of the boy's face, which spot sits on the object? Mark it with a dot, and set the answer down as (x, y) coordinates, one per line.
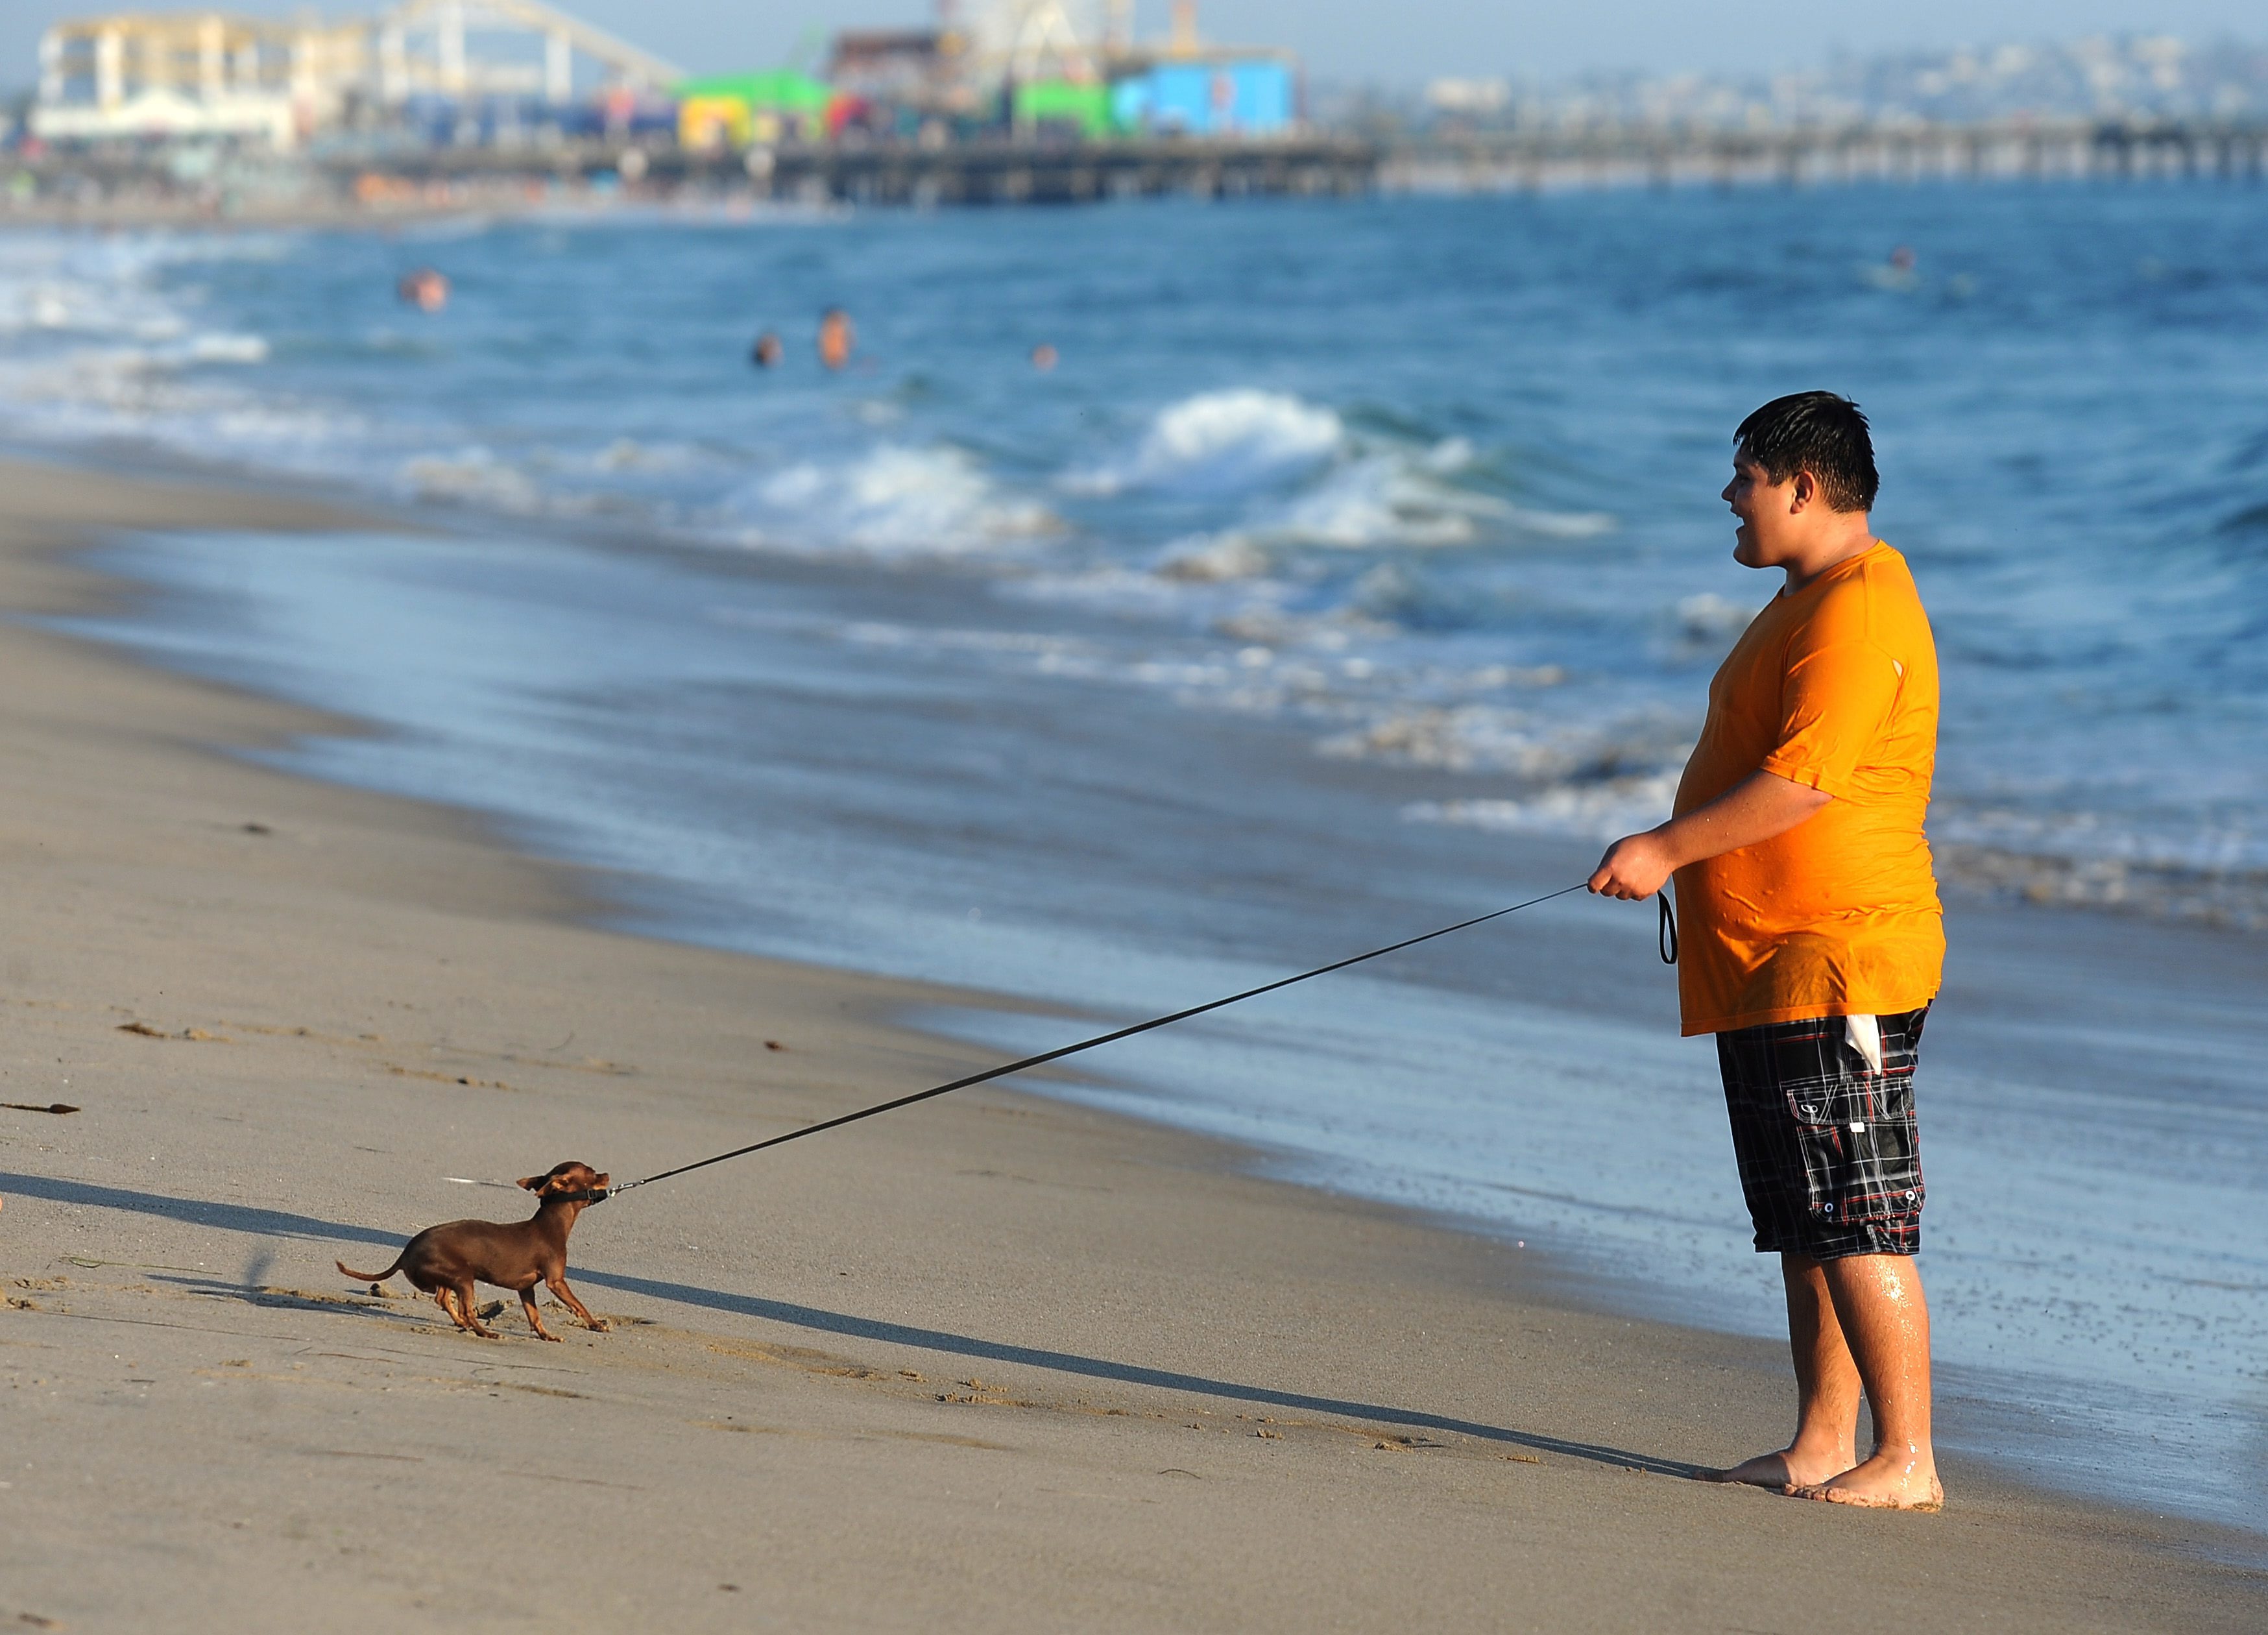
(1767, 536)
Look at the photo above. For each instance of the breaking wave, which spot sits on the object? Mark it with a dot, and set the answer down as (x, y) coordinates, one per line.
(891, 502)
(1223, 442)
(1604, 811)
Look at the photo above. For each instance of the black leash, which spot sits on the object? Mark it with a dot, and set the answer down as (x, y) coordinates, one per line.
(1086, 1044)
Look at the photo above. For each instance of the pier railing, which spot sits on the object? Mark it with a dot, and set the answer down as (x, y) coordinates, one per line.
(116, 182)
(2035, 150)
(1002, 171)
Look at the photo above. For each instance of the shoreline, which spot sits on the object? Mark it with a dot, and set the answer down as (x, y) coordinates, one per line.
(1135, 1312)
(2045, 1364)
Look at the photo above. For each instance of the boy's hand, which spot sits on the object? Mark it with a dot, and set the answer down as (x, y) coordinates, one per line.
(1635, 866)
(1759, 808)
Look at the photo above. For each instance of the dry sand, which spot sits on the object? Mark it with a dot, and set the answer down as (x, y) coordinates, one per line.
(996, 1363)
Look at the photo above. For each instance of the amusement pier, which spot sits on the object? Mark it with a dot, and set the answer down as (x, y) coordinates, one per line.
(445, 105)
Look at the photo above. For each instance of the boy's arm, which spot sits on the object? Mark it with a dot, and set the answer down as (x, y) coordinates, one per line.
(1758, 808)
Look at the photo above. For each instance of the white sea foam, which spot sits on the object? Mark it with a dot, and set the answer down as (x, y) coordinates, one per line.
(2194, 840)
(1462, 738)
(892, 502)
(1214, 561)
(474, 476)
(106, 287)
(1559, 525)
(1600, 811)
(1710, 617)
(1383, 499)
(1540, 748)
(1107, 587)
(1399, 497)
(225, 349)
(1223, 442)
(1376, 498)
(96, 341)
(628, 454)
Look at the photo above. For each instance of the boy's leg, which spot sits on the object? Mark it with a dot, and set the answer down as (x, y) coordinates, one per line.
(1877, 1300)
(1811, 1121)
(1826, 1387)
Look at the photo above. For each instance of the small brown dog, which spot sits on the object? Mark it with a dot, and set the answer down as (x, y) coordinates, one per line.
(448, 1259)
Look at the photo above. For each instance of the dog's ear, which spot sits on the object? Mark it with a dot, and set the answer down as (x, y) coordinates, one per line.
(534, 1183)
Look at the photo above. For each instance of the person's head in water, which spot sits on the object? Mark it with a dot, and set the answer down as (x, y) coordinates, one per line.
(1803, 467)
(837, 338)
(425, 289)
(768, 351)
(1044, 357)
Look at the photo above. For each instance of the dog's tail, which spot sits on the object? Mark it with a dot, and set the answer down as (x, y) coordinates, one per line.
(369, 1276)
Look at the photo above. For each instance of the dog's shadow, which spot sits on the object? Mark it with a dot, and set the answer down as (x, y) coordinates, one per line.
(272, 1298)
(280, 1224)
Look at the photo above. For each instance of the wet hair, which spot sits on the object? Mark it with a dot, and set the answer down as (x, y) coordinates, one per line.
(1818, 433)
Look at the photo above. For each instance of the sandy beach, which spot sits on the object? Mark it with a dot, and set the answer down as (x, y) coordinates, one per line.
(996, 1363)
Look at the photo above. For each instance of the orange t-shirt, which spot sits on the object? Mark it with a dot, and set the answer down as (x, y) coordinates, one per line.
(1835, 687)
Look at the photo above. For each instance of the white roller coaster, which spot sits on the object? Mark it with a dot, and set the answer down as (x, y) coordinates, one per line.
(428, 46)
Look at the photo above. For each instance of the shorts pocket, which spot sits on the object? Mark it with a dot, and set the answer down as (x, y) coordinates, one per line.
(1861, 1148)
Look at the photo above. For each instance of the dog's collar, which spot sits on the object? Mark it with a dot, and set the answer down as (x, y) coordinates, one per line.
(592, 1195)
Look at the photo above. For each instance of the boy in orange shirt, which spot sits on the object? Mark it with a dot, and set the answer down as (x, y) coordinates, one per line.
(1813, 941)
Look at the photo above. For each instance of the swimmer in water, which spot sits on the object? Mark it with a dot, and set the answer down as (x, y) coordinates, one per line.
(768, 351)
(424, 289)
(1898, 272)
(1045, 358)
(837, 338)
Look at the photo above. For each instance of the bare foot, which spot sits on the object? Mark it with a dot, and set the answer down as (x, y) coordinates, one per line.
(1783, 1471)
(1888, 1480)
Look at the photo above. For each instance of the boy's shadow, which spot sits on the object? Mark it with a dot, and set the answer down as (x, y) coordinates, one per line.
(280, 1224)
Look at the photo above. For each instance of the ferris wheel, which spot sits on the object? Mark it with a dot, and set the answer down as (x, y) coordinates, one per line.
(1029, 40)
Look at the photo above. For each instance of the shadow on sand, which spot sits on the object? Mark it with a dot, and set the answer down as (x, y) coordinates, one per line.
(280, 1224)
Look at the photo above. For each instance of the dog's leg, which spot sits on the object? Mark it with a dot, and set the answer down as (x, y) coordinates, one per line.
(558, 1286)
(471, 1317)
(448, 1307)
(528, 1304)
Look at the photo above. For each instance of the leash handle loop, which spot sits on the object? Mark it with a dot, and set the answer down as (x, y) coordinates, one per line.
(1666, 937)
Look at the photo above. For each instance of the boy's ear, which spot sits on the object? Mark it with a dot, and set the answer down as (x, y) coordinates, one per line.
(533, 1183)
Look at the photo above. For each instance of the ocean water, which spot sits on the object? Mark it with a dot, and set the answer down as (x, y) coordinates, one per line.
(1358, 567)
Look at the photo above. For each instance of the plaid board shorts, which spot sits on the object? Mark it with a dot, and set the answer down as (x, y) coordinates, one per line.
(1830, 1155)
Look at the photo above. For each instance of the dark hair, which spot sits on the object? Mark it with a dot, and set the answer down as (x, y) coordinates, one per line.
(1818, 433)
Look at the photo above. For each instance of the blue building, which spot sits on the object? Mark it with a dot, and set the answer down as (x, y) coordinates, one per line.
(1224, 96)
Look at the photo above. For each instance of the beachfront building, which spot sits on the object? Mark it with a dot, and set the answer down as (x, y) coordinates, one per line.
(509, 72)
(914, 83)
(739, 110)
(1070, 69)
(1083, 75)
(1225, 93)
(212, 75)
(1188, 88)
(193, 75)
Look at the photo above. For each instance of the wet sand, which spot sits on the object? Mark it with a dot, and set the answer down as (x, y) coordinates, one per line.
(996, 1362)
